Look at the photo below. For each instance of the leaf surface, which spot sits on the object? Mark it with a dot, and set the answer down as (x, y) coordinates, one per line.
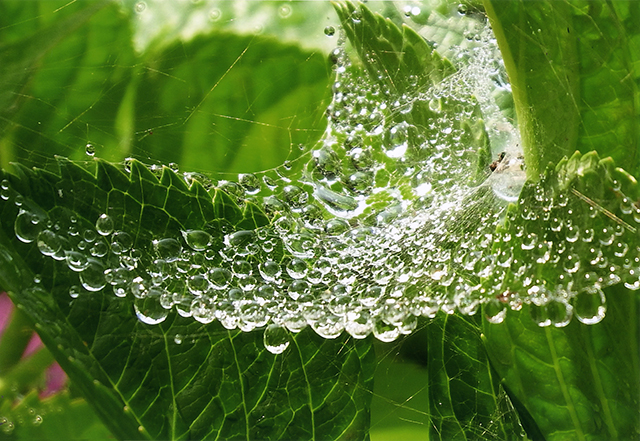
(180, 379)
(573, 70)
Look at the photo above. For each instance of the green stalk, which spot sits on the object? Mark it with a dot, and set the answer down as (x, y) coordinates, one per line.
(14, 340)
(27, 373)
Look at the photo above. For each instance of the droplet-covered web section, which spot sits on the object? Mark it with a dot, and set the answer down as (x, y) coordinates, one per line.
(393, 215)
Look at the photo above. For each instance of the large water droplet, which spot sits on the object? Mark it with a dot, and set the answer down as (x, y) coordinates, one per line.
(92, 277)
(276, 339)
(121, 242)
(590, 305)
(104, 225)
(197, 240)
(168, 249)
(27, 226)
(76, 261)
(149, 310)
(49, 243)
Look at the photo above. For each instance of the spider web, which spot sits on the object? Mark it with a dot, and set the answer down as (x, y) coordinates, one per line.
(84, 132)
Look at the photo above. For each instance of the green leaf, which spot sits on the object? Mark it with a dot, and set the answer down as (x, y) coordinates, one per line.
(180, 379)
(201, 104)
(573, 71)
(578, 382)
(453, 393)
(568, 351)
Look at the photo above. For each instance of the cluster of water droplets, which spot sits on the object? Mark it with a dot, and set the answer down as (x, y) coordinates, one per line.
(390, 217)
(364, 239)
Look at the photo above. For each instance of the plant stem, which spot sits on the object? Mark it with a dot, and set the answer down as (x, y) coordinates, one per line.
(14, 340)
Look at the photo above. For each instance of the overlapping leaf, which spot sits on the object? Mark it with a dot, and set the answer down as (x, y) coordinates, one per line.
(572, 66)
(180, 379)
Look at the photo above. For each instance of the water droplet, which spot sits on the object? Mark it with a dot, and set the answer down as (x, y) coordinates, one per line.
(219, 278)
(49, 243)
(74, 291)
(329, 31)
(270, 270)
(215, 14)
(168, 249)
(328, 326)
(90, 150)
(495, 311)
(384, 331)
(104, 225)
(27, 226)
(37, 420)
(140, 7)
(149, 310)
(177, 339)
(560, 313)
(295, 196)
(121, 242)
(276, 339)
(249, 182)
(92, 277)
(76, 261)
(336, 226)
(197, 240)
(285, 11)
(590, 305)
(99, 249)
(297, 268)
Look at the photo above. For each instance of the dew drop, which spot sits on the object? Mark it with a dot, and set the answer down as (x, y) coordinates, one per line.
(177, 339)
(495, 311)
(168, 249)
(121, 242)
(74, 291)
(270, 270)
(140, 7)
(197, 240)
(276, 339)
(215, 14)
(104, 225)
(27, 226)
(328, 326)
(560, 313)
(90, 150)
(76, 261)
(329, 31)
(149, 310)
(92, 277)
(384, 331)
(219, 278)
(49, 243)
(590, 305)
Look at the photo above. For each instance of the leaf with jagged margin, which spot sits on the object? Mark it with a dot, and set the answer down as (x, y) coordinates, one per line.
(58, 416)
(573, 68)
(577, 381)
(392, 56)
(397, 65)
(73, 78)
(180, 379)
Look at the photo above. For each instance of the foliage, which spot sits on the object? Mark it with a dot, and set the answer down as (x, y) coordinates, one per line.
(93, 252)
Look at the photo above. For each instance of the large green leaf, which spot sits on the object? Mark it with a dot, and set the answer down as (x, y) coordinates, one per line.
(179, 379)
(201, 104)
(573, 70)
(569, 352)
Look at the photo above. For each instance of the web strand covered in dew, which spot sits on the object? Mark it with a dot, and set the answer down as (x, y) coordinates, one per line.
(381, 222)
